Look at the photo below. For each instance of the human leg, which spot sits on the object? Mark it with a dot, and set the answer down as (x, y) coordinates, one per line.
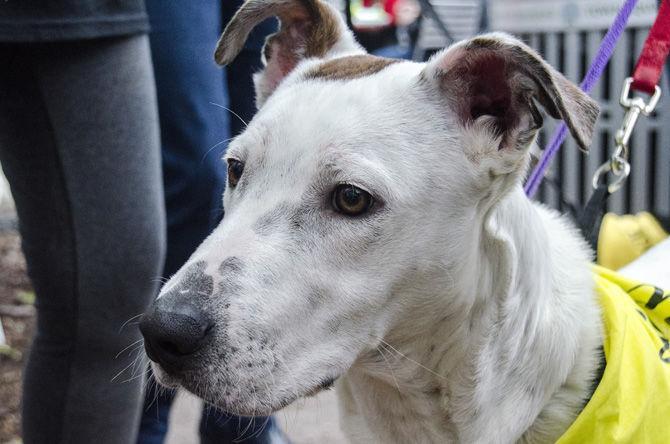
(79, 145)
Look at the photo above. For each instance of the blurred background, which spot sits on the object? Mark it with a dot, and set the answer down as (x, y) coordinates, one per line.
(566, 32)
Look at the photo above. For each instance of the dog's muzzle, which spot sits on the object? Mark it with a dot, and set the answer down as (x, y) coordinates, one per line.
(174, 330)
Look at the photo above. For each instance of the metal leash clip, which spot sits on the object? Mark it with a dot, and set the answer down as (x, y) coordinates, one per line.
(618, 164)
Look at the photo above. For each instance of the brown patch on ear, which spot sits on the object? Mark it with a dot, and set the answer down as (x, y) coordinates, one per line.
(324, 32)
(561, 98)
(309, 28)
(351, 67)
(499, 77)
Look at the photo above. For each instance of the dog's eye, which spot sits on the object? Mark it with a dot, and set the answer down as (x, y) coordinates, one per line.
(350, 200)
(235, 169)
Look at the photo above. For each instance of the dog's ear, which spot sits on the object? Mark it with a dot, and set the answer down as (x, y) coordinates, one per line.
(309, 29)
(497, 77)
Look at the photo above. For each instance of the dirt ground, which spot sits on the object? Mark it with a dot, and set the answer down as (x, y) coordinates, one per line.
(18, 320)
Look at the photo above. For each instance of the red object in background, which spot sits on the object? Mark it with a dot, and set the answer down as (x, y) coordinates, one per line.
(389, 6)
(649, 66)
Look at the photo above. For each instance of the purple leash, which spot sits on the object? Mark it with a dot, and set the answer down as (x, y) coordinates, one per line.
(595, 71)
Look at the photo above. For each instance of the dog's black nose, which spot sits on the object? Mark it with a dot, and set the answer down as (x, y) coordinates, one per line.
(174, 330)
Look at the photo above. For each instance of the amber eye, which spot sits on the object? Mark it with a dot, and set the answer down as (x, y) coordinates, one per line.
(235, 169)
(350, 200)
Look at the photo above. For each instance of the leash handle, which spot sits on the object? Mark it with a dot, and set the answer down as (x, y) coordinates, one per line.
(647, 72)
(646, 75)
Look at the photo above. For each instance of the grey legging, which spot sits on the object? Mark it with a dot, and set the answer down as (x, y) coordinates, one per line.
(79, 145)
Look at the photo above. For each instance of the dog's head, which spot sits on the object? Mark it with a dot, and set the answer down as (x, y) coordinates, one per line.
(351, 197)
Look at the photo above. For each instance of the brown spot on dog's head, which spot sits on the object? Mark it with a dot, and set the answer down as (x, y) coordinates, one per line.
(351, 67)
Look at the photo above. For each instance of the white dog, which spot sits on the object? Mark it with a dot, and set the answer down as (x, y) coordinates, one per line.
(376, 234)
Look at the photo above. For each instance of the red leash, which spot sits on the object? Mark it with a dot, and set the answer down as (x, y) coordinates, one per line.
(649, 66)
(645, 79)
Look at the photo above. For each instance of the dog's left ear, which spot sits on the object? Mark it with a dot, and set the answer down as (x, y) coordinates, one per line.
(309, 29)
(497, 77)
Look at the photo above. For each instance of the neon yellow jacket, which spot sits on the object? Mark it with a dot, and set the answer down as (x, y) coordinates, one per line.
(632, 402)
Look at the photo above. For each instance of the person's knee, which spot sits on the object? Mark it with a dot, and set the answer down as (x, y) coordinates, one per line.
(147, 254)
(143, 258)
(124, 273)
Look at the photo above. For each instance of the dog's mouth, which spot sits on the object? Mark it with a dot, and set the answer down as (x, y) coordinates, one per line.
(164, 378)
(260, 408)
(224, 398)
(326, 384)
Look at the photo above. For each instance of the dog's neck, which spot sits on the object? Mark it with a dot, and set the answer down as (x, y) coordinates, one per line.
(501, 354)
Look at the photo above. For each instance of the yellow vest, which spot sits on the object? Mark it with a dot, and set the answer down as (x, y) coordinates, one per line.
(632, 402)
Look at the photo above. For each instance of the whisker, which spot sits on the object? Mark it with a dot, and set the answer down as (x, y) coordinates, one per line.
(132, 318)
(122, 371)
(390, 370)
(126, 348)
(391, 348)
(153, 386)
(146, 373)
(139, 359)
(230, 111)
(410, 359)
(214, 146)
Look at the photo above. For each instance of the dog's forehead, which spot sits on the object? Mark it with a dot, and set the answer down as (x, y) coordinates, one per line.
(372, 129)
(301, 156)
(308, 117)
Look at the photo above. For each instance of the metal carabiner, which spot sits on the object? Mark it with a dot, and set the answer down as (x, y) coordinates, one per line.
(621, 175)
(628, 102)
(618, 163)
(634, 107)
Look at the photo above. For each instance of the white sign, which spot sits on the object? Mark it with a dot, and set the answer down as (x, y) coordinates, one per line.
(563, 15)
